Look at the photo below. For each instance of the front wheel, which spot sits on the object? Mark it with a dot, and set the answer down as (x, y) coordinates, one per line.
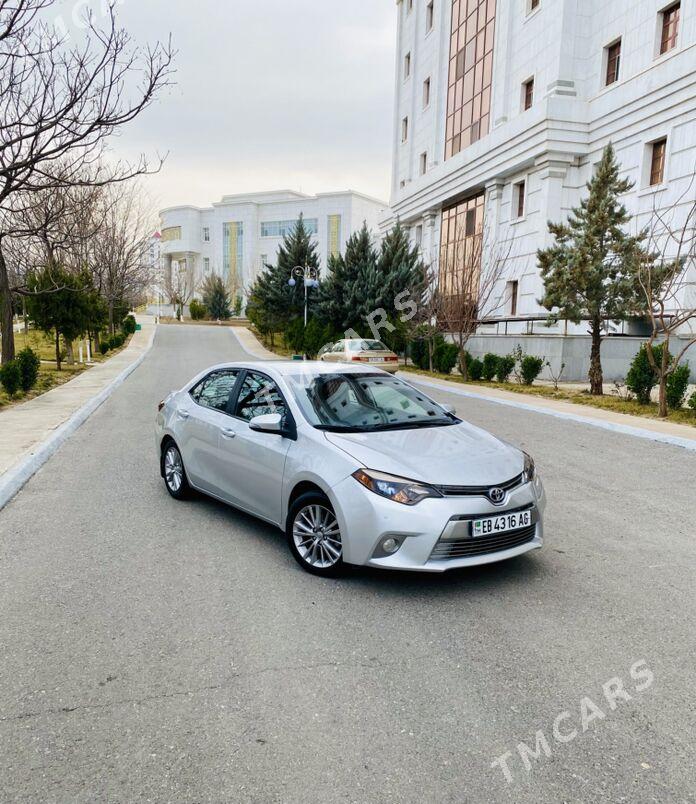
(314, 535)
(174, 473)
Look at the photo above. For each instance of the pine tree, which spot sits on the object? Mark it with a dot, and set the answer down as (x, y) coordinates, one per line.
(400, 269)
(591, 268)
(346, 293)
(68, 311)
(273, 303)
(216, 298)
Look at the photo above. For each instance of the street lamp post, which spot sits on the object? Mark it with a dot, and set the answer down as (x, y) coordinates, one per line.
(310, 277)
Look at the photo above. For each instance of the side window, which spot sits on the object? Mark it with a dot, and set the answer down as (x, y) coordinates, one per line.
(214, 391)
(257, 397)
(339, 347)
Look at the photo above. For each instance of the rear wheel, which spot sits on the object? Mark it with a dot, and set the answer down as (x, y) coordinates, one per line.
(314, 535)
(173, 472)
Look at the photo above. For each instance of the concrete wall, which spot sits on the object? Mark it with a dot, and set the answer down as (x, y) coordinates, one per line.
(574, 351)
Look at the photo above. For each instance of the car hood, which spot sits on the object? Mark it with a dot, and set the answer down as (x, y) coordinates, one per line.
(459, 455)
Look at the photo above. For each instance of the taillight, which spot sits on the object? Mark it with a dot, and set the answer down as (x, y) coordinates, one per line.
(358, 358)
(393, 359)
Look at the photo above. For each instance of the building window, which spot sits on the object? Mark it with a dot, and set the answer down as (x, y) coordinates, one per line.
(670, 28)
(404, 129)
(407, 66)
(613, 63)
(518, 198)
(424, 163)
(171, 233)
(284, 228)
(512, 289)
(264, 261)
(426, 93)
(470, 73)
(528, 94)
(533, 5)
(206, 265)
(409, 6)
(461, 241)
(429, 16)
(334, 235)
(657, 162)
(206, 234)
(419, 235)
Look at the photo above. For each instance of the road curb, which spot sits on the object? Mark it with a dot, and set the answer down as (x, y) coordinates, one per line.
(625, 429)
(13, 480)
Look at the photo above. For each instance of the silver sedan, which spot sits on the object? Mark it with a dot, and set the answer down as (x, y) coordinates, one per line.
(354, 464)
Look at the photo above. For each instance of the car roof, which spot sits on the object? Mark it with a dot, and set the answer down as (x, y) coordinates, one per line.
(289, 367)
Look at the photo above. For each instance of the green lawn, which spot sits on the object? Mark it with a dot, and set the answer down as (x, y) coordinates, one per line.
(49, 376)
(606, 402)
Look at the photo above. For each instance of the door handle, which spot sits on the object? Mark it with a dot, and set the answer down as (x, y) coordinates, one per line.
(183, 414)
(228, 432)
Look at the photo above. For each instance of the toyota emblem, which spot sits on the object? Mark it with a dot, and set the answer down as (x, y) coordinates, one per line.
(496, 495)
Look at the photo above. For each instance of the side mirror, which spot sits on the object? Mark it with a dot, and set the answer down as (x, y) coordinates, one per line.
(268, 423)
(449, 409)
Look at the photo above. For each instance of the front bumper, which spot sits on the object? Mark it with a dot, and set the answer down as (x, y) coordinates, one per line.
(428, 530)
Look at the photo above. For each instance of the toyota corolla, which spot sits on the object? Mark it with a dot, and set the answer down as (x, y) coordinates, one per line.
(355, 465)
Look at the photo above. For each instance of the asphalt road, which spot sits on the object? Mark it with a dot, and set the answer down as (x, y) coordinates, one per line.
(160, 651)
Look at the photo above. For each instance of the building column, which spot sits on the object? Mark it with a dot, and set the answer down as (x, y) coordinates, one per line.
(429, 246)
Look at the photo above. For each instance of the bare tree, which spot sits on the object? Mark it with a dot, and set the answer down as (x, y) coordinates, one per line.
(121, 270)
(180, 287)
(427, 323)
(668, 282)
(58, 106)
(469, 273)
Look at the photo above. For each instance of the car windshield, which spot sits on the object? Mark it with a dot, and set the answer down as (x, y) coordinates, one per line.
(364, 402)
(367, 346)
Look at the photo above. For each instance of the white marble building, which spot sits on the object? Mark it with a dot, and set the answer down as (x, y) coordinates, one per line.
(502, 110)
(237, 235)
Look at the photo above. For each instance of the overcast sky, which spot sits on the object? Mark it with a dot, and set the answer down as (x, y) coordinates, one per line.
(270, 94)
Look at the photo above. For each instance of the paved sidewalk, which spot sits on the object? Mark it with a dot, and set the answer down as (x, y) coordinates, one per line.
(663, 431)
(25, 427)
(250, 343)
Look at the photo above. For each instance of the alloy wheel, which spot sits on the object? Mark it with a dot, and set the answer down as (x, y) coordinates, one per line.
(173, 469)
(317, 536)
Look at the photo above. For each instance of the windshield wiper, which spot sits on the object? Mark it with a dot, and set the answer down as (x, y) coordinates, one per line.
(411, 425)
(339, 428)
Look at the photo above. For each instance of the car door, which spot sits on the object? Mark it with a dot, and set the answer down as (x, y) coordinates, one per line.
(205, 415)
(256, 461)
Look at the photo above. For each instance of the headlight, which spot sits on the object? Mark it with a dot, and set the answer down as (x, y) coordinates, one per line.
(399, 489)
(529, 468)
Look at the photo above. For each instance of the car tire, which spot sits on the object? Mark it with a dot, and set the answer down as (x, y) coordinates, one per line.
(174, 472)
(312, 516)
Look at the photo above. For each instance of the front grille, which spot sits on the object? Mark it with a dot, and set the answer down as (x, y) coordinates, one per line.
(472, 491)
(466, 548)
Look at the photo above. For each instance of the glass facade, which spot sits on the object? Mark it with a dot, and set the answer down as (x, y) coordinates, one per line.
(461, 240)
(172, 233)
(283, 228)
(334, 236)
(470, 73)
(233, 254)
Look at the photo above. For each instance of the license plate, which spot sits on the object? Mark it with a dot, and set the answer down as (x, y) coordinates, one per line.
(376, 360)
(501, 524)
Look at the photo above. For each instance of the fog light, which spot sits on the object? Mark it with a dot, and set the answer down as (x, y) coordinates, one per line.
(390, 545)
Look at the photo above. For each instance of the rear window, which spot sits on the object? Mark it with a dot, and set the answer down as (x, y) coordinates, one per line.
(367, 346)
